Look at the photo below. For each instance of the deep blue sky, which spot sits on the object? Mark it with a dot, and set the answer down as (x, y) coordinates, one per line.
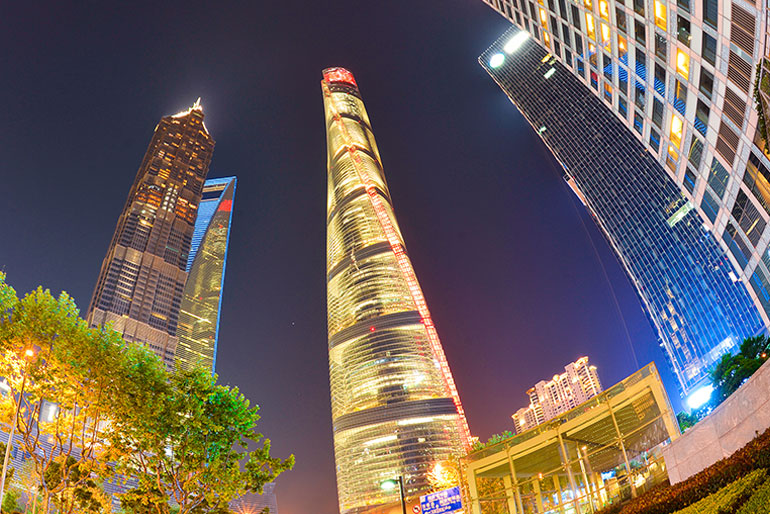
(511, 265)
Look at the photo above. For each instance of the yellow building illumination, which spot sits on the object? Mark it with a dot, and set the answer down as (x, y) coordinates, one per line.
(395, 407)
(677, 126)
(660, 14)
(604, 10)
(590, 27)
(683, 63)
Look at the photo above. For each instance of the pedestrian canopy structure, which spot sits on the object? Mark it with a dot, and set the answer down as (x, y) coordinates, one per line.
(603, 451)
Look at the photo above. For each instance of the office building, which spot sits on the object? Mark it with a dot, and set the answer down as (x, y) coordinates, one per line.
(684, 278)
(253, 503)
(548, 399)
(142, 279)
(682, 77)
(198, 326)
(395, 408)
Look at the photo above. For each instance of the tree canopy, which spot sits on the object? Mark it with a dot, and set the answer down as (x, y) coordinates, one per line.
(733, 370)
(94, 405)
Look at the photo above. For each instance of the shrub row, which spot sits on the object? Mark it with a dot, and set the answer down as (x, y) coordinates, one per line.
(668, 499)
(727, 499)
(758, 502)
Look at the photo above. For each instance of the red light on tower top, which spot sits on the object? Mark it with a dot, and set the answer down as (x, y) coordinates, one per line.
(339, 75)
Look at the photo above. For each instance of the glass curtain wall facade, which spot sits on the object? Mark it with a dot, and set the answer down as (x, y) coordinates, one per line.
(682, 77)
(606, 450)
(395, 408)
(143, 276)
(199, 314)
(681, 273)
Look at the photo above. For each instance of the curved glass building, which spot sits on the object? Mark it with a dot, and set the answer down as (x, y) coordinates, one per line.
(395, 408)
(198, 328)
(685, 281)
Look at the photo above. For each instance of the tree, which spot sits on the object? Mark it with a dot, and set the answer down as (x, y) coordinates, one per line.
(190, 442)
(11, 501)
(68, 388)
(733, 370)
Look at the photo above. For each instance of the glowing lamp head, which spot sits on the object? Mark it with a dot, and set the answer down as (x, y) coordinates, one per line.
(389, 485)
(496, 60)
(29, 353)
(516, 42)
(699, 397)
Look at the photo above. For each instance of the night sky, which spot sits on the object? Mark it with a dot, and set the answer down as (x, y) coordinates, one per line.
(518, 279)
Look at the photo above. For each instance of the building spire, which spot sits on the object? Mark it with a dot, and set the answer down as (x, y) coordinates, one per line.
(197, 105)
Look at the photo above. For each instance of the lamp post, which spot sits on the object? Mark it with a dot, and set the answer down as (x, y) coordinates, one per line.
(28, 354)
(389, 485)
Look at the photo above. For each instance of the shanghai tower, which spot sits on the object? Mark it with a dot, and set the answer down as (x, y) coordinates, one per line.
(143, 275)
(395, 409)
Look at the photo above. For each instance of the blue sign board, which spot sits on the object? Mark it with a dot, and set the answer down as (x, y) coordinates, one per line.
(447, 500)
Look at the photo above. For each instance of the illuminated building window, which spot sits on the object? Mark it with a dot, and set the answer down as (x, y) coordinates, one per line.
(683, 64)
(608, 92)
(622, 48)
(592, 57)
(680, 97)
(660, 14)
(590, 27)
(672, 159)
(547, 39)
(639, 7)
(588, 5)
(604, 9)
(677, 128)
(543, 19)
(606, 34)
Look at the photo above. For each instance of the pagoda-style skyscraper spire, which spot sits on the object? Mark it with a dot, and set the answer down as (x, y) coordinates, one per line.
(395, 408)
(143, 276)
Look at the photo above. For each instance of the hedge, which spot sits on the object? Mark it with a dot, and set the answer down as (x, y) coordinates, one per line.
(666, 499)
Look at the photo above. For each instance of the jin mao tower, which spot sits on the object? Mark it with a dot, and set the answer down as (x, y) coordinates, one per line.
(143, 276)
(395, 408)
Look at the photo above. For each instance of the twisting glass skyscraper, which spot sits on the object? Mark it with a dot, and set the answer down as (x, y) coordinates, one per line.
(199, 315)
(682, 275)
(143, 276)
(395, 408)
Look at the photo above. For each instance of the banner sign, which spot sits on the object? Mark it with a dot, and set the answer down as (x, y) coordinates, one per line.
(447, 500)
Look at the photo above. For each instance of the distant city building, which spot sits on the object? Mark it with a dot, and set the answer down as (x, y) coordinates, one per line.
(581, 461)
(395, 408)
(682, 275)
(198, 326)
(142, 279)
(564, 392)
(253, 503)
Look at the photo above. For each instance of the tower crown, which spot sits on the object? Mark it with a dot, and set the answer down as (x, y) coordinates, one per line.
(339, 75)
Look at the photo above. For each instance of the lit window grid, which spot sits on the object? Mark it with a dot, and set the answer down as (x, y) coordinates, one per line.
(382, 362)
(365, 457)
(688, 348)
(518, 12)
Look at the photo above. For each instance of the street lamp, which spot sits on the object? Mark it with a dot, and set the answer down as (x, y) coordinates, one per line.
(389, 485)
(28, 354)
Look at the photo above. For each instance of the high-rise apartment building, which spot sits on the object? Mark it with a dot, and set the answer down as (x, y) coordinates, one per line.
(686, 283)
(395, 408)
(143, 276)
(579, 383)
(198, 327)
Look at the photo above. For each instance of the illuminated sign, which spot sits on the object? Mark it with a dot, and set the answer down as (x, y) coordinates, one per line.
(447, 500)
(339, 75)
